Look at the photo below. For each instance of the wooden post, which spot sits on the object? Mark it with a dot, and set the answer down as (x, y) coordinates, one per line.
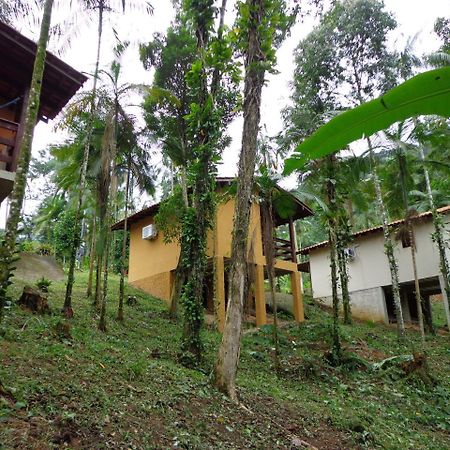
(297, 297)
(444, 297)
(260, 299)
(219, 277)
(292, 239)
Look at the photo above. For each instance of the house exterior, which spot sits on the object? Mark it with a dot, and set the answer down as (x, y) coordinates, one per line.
(152, 262)
(60, 83)
(369, 276)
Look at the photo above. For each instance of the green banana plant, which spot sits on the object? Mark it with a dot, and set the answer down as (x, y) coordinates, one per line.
(425, 94)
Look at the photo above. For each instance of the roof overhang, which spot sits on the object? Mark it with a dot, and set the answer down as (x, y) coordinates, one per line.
(296, 209)
(60, 81)
(378, 229)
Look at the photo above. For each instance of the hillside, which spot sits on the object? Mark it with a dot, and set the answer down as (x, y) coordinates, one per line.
(126, 389)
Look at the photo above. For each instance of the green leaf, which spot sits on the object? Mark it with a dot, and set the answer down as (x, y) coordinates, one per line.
(424, 94)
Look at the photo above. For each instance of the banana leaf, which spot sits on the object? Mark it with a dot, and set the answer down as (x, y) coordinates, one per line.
(424, 94)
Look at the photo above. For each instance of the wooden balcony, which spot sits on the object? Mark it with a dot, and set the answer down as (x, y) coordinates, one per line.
(8, 134)
(8, 156)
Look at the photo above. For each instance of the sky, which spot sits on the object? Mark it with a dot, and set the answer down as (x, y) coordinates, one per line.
(414, 17)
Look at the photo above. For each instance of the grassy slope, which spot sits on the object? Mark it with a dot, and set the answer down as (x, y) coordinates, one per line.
(125, 389)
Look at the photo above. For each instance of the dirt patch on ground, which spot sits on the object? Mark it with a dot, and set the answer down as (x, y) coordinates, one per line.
(31, 267)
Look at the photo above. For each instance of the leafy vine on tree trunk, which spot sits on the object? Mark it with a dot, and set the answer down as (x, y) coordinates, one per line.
(332, 236)
(30, 119)
(205, 123)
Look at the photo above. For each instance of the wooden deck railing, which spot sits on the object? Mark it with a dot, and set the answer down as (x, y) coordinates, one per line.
(284, 250)
(8, 135)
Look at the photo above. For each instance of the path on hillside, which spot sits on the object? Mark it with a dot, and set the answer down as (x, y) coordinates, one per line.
(31, 267)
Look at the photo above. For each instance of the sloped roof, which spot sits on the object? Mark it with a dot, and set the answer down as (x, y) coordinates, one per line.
(60, 81)
(301, 209)
(377, 229)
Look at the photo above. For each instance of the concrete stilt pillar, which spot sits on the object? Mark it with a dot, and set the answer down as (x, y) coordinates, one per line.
(297, 297)
(260, 299)
(220, 293)
(444, 298)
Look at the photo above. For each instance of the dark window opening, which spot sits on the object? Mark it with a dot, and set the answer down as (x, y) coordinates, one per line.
(406, 240)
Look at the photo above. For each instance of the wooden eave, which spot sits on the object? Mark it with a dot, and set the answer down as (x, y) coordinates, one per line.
(301, 209)
(17, 54)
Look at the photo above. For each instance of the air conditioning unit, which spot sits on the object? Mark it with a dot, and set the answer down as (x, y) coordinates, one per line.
(350, 253)
(149, 232)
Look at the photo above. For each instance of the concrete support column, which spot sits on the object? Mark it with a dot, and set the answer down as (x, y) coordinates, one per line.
(260, 299)
(297, 297)
(405, 307)
(444, 298)
(219, 289)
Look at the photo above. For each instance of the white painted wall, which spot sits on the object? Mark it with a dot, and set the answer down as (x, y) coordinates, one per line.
(370, 268)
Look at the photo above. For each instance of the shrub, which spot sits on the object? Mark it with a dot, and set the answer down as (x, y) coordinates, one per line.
(29, 246)
(43, 284)
(45, 249)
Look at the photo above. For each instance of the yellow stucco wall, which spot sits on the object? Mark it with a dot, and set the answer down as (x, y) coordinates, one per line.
(152, 261)
(158, 285)
(149, 258)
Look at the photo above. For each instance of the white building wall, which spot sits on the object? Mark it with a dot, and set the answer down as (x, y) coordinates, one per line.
(370, 268)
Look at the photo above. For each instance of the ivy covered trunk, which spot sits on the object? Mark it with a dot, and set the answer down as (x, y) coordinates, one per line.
(7, 250)
(180, 272)
(228, 355)
(98, 279)
(108, 151)
(67, 308)
(123, 257)
(333, 242)
(102, 320)
(388, 248)
(343, 240)
(92, 257)
(412, 240)
(438, 238)
(343, 276)
(203, 127)
(269, 252)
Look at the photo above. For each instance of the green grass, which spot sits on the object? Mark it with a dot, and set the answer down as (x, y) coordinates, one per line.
(126, 388)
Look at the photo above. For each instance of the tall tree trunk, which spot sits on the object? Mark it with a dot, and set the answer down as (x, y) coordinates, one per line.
(343, 238)
(269, 252)
(102, 320)
(179, 278)
(388, 247)
(343, 276)
(67, 308)
(228, 355)
(336, 340)
(416, 280)
(92, 257)
(98, 281)
(199, 217)
(30, 119)
(124, 245)
(333, 240)
(438, 238)
(401, 157)
(108, 152)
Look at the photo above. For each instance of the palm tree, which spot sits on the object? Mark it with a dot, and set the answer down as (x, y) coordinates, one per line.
(407, 231)
(388, 245)
(438, 235)
(15, 9)
(31, 117)
(102, 6)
